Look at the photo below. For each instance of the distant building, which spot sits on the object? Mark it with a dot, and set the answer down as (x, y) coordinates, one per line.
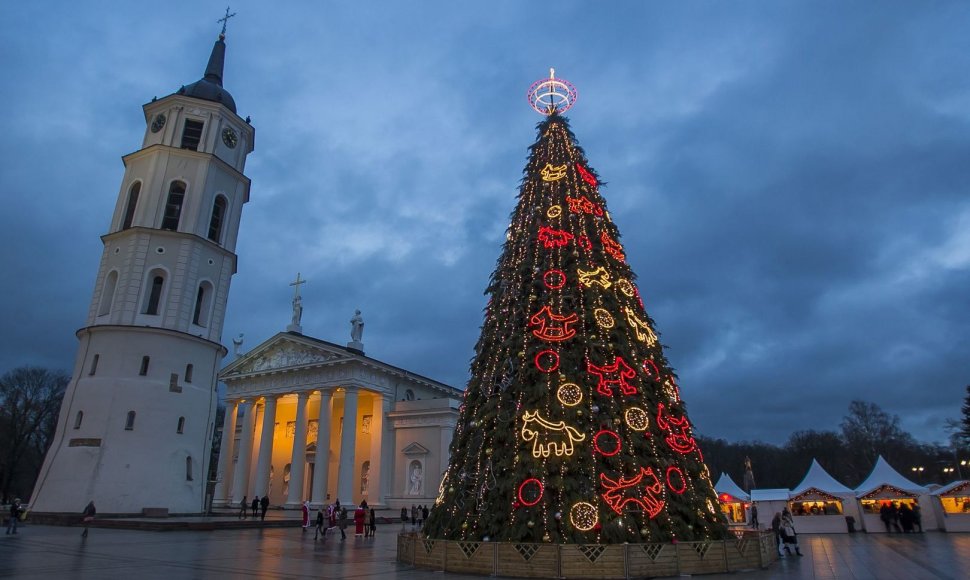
(135, 428)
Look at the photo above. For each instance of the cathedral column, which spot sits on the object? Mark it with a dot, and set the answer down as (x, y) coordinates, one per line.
(298, 458)
(241, 476)
(221, 496)
(321, 468)
(265, 457)
(348, 440)
(374, 488)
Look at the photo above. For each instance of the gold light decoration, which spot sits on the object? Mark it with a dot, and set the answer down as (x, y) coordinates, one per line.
(549, 438)
(636, 419)
(626, 287)
(554, 212)
(570, 394)
(553, 172)
(600, 276)
(583, 516)
(603, 318)
(643, 331)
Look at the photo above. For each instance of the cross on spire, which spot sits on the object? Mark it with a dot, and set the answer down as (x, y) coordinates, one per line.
(297, 283)
(225, 20)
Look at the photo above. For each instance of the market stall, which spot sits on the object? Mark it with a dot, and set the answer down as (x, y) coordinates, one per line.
(952, 507)
(769, 502)
(822, 505)
(734, 501)
(886, 487)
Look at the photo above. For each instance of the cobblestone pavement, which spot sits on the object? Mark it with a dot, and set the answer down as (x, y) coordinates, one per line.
(59, 552)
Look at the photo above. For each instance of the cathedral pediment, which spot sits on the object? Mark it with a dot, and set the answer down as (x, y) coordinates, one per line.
(282, 353)
(415, 448)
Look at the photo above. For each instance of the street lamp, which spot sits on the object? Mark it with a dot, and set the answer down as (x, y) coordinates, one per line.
(918, 471)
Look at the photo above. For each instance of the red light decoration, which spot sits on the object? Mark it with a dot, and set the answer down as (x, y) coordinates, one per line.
(678, 431)
(583, 205)
(530, 488)
(611, 247)
(553, 327)
(554, 279)
(551, 238)
(553, 359)
(644, 490)
(584, 243)
(600, 440)
(651, 369)
(586, 175)
(614, 375)
(679, 489)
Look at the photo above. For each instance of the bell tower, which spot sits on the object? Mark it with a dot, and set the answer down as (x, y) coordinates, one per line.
(135, 428)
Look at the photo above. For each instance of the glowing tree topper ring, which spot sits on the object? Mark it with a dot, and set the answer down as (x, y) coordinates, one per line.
(530, 492)
(547, 355)
(552, 95)
(583, 516)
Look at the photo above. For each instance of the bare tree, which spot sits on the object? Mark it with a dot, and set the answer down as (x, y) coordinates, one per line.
(869, 432)
(30, 398)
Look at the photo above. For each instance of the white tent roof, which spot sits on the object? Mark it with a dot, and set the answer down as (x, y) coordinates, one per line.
(884, 474)
(820, 479)
(726, 485)
(769, 495)
(948, 488)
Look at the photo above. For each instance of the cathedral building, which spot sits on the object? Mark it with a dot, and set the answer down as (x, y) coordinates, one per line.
(315, 421)
(135, 427)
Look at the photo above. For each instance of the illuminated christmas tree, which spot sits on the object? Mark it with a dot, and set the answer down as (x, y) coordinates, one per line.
(572, 429)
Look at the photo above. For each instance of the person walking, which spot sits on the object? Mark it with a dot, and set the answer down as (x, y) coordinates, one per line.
(776, 527)
(88, 517)
(754, 516)
(15, 511)
(885, 515)
(319, 531)
(788, 535)
(424, 514)
(343, 522)
(263, 506)
(255, 506)
(243, 508)
(404, 517)
(414, 515)
(373, 522)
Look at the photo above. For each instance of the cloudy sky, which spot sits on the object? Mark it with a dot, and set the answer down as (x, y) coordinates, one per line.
(791, 179)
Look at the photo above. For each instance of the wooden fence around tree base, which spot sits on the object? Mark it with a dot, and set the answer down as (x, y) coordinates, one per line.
(750, 550)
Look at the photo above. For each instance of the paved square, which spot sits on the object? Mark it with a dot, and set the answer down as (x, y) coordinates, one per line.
(59, 552)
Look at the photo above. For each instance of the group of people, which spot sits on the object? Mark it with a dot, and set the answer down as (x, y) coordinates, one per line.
(901, 518)
(419, 514)
(365, 520)
(258, 507)
(785, 536)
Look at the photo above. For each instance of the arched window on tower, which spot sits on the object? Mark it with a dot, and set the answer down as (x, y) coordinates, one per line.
(154, 296)
(181, 425)
(217, 219)
(131, 205)
(203, 300)
(173, 206)
(108, 293)
(130, 421)
(188, 373)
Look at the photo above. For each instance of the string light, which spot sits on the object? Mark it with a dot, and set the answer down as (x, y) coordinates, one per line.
(554, 211)
(643, 490)
(625, 287)
(554, 279)
(603, 318)
(600, 276)
(612, 247)
(682, 486)
(553, 327)
(586, 175)
(613, 375)
(551, 238)
(530, 488)
(553, 359)
(607, 443)
(583, 516)
(636, 419)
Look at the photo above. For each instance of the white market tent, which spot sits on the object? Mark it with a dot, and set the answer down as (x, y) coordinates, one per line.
(820, 504)
(885, 484)
(952, 506)
(734, 501)
(769, 502)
